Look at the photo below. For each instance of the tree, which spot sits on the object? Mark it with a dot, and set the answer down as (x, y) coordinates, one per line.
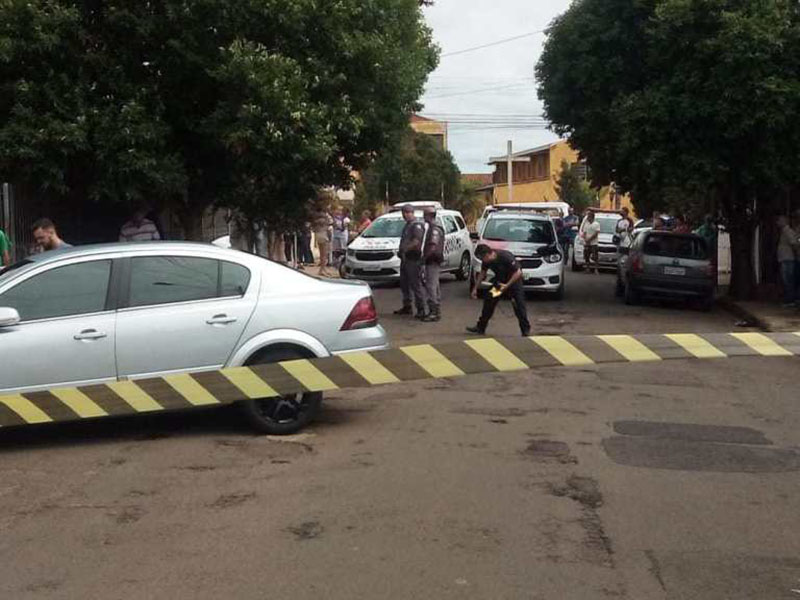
(700, 96)
(250, 105)
(413, 168)
(572, 188)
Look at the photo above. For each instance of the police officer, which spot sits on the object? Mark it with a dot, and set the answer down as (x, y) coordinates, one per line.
(411, 264)
(508, 282)
(432, 257)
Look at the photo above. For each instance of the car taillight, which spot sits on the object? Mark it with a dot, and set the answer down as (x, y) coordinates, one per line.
(362, 316)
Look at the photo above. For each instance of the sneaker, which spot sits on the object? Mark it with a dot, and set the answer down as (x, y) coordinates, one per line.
(406, 310)
(432, 318)
(476, 330)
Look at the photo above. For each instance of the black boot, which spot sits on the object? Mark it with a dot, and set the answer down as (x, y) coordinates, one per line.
(477, 330)
(434, 315)
(406, 310)
(421, 316)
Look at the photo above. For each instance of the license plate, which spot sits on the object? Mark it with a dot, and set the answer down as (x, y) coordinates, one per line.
(674, 271)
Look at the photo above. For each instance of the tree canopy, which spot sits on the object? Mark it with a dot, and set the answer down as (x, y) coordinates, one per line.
(700, 96)
(249, 104)
(572, 188)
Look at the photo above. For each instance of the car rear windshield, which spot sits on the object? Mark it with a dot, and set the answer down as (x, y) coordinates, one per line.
(676, 246)
(608, 225)
(385, 228)
(519, 230)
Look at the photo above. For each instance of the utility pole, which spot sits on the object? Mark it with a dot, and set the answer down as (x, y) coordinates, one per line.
(510, 166)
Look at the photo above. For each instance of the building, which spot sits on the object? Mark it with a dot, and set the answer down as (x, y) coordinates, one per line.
(435, 129)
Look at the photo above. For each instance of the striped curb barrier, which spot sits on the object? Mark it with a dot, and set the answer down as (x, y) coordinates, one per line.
(382, 367)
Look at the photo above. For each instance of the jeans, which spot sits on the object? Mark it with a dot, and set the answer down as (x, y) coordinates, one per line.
(789, 277)
(517, 294)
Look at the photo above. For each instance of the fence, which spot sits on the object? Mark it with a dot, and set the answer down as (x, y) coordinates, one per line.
(16, 221)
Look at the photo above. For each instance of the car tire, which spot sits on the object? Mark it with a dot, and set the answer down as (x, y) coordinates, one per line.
(707, 303)
(559, 295)
(286, 414)
(631, 296)
(575, 266)
(465, 268)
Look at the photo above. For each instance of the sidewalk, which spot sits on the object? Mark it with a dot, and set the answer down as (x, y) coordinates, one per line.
(768, 316)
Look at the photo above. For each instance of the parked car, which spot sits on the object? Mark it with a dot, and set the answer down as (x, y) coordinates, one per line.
(96, 314)
(373, 256)
(531, 237)
(556, 210)
(666, 264)
(607, 250)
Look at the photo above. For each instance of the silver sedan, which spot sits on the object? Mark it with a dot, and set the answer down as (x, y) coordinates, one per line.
(96, 314)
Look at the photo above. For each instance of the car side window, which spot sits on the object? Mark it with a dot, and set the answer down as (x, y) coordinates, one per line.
(449, 224)
(234, 279)
(460, 222)
(168, 279)
(61, 292)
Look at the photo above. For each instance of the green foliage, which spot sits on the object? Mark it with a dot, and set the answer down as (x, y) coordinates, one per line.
(469, 202)
(249, 104)
(415, 169)
(573, 189)
(698, 99)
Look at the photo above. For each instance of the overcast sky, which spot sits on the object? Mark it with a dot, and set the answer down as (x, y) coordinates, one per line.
(496, 81)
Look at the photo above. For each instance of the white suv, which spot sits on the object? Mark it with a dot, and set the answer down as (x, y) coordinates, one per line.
(372, 256)
(606, 249)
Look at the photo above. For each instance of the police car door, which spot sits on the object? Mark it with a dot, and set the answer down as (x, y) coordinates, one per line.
(452, 243)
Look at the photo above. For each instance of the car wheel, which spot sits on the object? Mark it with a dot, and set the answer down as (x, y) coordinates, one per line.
(285, 414)
(575, 266)
(465, 268)
(342, 270)
(559, 295)
(631, 296)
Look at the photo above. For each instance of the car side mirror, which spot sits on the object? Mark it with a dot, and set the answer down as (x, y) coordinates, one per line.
(474, 236)
(9, 317)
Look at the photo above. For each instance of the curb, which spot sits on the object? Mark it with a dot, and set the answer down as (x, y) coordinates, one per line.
(740, 311)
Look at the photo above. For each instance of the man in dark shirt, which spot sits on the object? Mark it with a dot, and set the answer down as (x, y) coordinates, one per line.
(507, 281)
(411, 264)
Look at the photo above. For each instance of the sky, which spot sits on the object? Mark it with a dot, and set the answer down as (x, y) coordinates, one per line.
(488, 95)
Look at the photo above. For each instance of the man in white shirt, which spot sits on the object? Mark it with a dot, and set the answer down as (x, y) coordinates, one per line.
(139, 229)
(590, 232)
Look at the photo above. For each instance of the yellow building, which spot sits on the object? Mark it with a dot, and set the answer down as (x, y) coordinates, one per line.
(535, 178)
(435, 129)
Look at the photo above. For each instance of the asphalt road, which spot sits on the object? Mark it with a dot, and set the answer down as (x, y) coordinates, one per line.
(674, 481)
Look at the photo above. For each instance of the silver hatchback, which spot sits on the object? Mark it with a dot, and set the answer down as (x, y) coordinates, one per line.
(97, 314)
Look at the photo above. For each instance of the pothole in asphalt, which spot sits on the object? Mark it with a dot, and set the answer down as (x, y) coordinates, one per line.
(686, 455)
(549, 451)
(692, 432)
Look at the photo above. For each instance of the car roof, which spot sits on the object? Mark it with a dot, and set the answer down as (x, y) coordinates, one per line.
(530, 216)
(128, 247)
(398, 214)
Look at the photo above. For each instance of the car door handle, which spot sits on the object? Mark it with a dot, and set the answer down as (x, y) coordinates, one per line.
(221, 320)
(90, 334)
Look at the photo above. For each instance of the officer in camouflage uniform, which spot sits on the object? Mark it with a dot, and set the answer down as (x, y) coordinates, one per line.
(411, 264)
(432, 257)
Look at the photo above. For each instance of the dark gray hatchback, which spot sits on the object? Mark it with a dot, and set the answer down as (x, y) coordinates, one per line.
(666, 264)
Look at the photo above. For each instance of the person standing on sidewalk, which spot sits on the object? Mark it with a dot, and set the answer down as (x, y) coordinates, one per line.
(432, 257)
(507, 281)
(788, 248)
(322, 223)
(5, 250)
(590, 232)
(411, 265)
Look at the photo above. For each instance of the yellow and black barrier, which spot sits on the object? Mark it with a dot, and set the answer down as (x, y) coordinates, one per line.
(366, 369)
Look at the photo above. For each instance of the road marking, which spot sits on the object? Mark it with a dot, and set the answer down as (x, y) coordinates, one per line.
(370, 369)
(25, 409)
(310, 376)
(497, 355)
(187, 387)
(696, 346)
(762, 344)
(434, 362)
(563, 351)
(80, 403)
(135, 396)
(250, 384)
(630, 348)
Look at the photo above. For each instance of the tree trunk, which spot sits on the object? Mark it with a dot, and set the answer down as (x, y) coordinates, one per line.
(743, 278)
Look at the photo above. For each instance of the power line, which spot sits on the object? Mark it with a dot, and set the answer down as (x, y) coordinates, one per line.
(491, 44)
(481, 90)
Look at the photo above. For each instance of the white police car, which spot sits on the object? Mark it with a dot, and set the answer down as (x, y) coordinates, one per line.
(372, 256)
(532, 239)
